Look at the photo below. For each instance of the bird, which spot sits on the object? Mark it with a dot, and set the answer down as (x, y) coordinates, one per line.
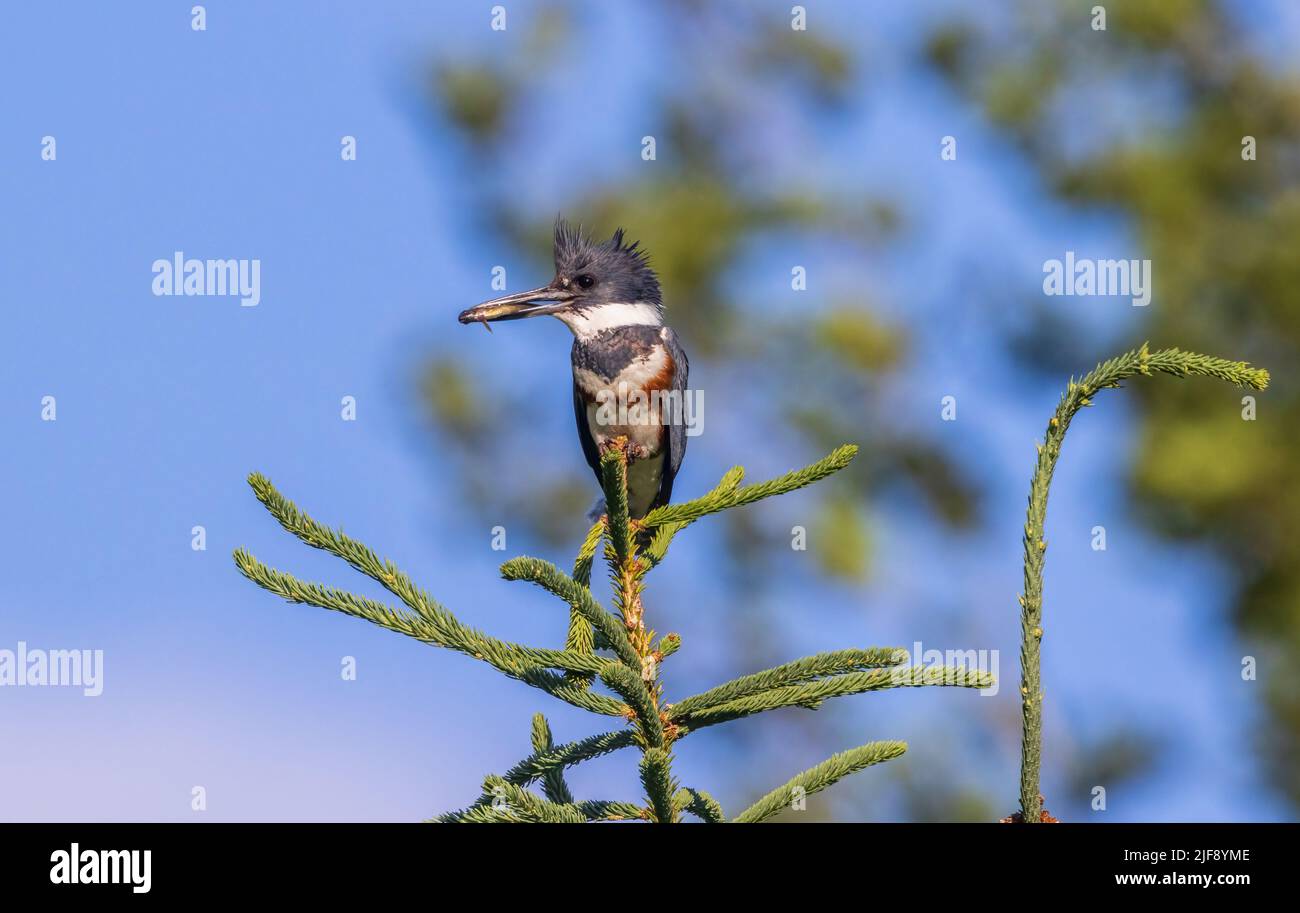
(629, 369)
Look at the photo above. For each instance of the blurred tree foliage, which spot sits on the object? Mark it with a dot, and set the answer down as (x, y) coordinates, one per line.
(700, 208)
(704, 206)
(1223, 235)
(1145, 119)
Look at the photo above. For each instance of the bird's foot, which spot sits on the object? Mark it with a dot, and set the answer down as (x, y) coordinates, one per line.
(630, 450)
(614, 445)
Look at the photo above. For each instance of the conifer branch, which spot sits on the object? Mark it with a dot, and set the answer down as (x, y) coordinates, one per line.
(581, 637)
(810, 695)
(541, 763)
(548, 764)
(604, 810)
(456, 635)
(700, 804)
(525, 664)
(815, 779)
(520, 802)
(629, 686)
(632, 549)
(668, 645)
(482, 814)
(553, 580)
(656, 777)
(319, 536)
(809, 668)
(722, 499)
(512, 804)
(663, 535)
(613, 470)
(1079, 394)
(625, 570)
(587, 553)
(575, 694)
(504, 656)
(553, 785)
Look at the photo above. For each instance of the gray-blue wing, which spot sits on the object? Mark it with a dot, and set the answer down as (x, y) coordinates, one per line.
(589, 449)
(677, 426)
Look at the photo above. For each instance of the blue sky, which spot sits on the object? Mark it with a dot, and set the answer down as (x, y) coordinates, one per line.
(225, 143)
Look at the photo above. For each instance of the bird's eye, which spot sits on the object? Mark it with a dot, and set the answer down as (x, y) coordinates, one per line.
(585, 281)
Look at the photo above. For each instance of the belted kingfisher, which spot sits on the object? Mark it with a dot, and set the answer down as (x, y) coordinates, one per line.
(629, 371)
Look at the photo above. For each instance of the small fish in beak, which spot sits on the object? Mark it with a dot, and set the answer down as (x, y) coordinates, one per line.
(545, 300)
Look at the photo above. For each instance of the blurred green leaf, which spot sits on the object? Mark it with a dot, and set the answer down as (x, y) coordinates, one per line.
(841, 540)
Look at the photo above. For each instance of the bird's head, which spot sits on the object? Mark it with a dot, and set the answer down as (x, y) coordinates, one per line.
(596, 285)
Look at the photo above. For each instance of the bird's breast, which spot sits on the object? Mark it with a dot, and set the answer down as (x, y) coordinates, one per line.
(624, 380)
(650, 371)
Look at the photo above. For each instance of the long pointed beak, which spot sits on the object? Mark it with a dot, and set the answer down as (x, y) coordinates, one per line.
(545, 300)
